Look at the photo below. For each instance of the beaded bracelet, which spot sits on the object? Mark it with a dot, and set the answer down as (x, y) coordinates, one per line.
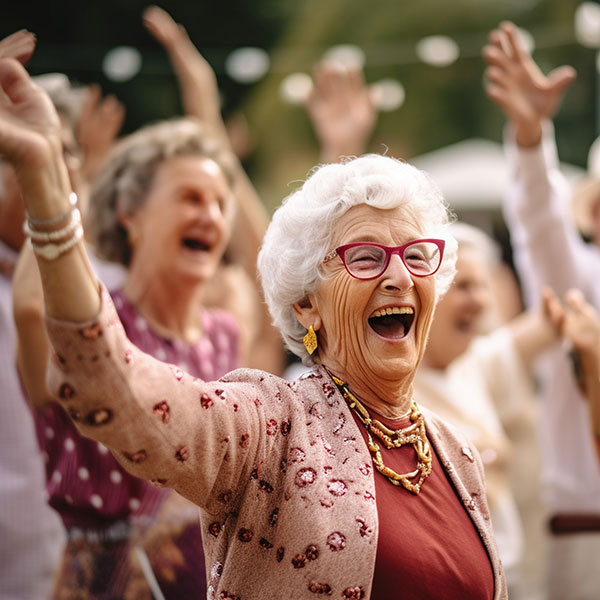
(58, 234)
(52, 251)
(37, 222)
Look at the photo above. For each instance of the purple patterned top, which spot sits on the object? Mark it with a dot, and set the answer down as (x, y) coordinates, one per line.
(85, 484)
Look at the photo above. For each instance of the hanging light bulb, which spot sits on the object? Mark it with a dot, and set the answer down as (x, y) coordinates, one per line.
(437, 50)
(247, 65)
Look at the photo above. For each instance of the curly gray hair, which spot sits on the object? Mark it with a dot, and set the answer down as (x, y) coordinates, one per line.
(124, 181)
(301, 231)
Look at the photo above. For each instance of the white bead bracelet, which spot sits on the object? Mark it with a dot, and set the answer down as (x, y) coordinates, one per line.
(58, 234)
(52, 251)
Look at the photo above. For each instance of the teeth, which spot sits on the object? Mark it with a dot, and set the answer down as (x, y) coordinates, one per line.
(396, 310)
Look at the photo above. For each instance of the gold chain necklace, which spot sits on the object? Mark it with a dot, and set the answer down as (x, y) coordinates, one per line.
(414, 434)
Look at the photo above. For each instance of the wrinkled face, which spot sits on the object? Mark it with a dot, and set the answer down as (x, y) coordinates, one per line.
(374, 328)
(459, 313)
(181, 230)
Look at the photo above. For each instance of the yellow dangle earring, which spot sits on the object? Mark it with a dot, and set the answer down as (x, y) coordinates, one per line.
(310, 340)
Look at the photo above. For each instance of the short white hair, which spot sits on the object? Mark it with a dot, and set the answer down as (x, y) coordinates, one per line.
(302, 228)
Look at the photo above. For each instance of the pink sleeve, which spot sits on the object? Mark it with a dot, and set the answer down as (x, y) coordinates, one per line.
(160, 423)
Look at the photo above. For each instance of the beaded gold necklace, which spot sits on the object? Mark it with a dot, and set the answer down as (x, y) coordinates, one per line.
(414, 434)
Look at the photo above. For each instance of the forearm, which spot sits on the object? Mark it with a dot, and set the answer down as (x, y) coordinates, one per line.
(33, 345)
(536, 210)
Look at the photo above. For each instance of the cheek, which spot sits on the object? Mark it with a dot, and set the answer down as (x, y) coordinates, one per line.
(343, 313)
(427, 309)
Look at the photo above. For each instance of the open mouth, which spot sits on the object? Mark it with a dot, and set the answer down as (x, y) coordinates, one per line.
(195, 244)
(392, 322)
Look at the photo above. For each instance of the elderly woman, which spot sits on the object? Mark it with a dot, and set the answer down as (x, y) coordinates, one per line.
(335, 484)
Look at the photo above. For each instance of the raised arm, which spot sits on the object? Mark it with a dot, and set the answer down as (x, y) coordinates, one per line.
(341, 109)
(547, 245)
(196, 78)
(200, 95)
(33, 346)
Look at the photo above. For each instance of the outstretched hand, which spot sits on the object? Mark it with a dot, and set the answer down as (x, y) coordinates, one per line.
(341, 110)
(517, 85)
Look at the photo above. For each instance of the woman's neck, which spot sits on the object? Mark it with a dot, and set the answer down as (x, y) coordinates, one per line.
(172, 310)
(390, 399)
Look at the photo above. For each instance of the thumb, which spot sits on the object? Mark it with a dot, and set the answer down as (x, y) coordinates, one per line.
(560, 79)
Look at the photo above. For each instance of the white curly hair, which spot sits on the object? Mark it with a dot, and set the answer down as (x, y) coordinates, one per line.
(301, 231)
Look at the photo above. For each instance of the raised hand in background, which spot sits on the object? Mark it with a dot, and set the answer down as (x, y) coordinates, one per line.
(517, 85)
(98, 126)
(341, 109)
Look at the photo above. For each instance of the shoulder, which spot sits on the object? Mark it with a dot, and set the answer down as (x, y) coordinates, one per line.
(453, 446)
(308, 386)
(442, 429)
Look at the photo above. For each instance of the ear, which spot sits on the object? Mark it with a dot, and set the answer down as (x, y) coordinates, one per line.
(307, 312)
(127, 219)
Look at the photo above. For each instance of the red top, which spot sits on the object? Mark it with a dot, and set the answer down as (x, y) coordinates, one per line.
(428, 546)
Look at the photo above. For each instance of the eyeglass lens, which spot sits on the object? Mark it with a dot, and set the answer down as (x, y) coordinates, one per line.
(420, 258)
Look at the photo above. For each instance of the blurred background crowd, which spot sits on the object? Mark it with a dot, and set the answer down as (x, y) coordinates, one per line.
(408, 77)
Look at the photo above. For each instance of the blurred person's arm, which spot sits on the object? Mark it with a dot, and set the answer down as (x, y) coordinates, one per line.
(548, 248)
(33, 346)
(200, 97)
(532, 333)
(579, 323)
(341, 110)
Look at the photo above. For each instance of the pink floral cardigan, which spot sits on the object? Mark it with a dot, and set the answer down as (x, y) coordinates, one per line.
(279, 470)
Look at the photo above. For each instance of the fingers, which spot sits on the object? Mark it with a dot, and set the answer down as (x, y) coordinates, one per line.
(160, 24)
(91, 100)
(113, 112)
(495, 56)
(497, 39)
(553, 309)
(336, 82)
(14, 80)
(513, 40)
(28, 120)
(560, 79)
(19, 45)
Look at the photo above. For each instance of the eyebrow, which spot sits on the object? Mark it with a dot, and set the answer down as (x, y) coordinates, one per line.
(362, 238)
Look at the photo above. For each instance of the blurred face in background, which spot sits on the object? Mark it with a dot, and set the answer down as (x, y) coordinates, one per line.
(460, 312)
(181, 231)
